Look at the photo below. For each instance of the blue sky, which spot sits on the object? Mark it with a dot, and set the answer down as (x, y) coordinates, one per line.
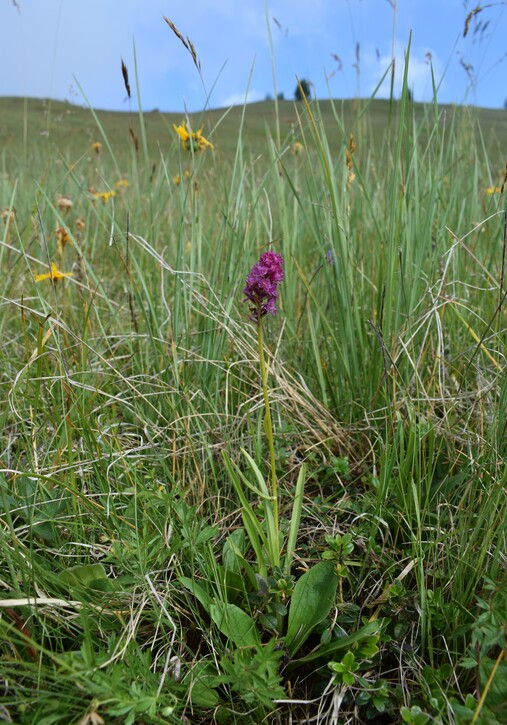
(51, 47)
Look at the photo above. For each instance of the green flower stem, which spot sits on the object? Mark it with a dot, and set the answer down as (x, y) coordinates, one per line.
(268, 429)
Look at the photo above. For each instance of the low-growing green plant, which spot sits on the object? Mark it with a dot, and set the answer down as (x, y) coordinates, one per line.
(279, 613)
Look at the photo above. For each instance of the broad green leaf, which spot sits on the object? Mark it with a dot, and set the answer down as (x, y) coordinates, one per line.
(313, 597)
(495, 674)
(252, 525)
(297, 505)
(27, 506)
(263, 490)
(201, 695)
(206, 534)
(201, 682)
(328, 650)
(89, 576)
(234, 550)
(236, 624)
(231, 550)
(272, 542)
(197, 590)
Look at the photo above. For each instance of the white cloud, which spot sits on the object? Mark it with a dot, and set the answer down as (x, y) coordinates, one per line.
(48, 43)
(419, 76)
(238, 99)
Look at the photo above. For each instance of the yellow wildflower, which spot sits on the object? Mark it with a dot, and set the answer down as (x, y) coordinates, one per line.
(202, 142)
(96, 147)
(297, 148)
(191, 139)
(122, 183)
(103, 195)
(54, 274)
(493, 190)
(182, 132)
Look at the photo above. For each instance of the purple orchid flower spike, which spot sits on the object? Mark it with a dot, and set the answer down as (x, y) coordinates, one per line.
(262, 285)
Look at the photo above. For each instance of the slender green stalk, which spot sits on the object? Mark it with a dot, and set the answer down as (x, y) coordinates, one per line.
(268, 429)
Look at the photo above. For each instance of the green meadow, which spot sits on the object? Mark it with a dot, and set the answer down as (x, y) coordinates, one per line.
(209, 519)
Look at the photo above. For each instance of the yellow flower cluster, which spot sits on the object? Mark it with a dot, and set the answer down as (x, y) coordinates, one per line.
(191, 139)
(103, 195)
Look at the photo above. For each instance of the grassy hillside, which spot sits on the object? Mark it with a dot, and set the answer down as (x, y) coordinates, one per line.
(213, 515)
(26, 122)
